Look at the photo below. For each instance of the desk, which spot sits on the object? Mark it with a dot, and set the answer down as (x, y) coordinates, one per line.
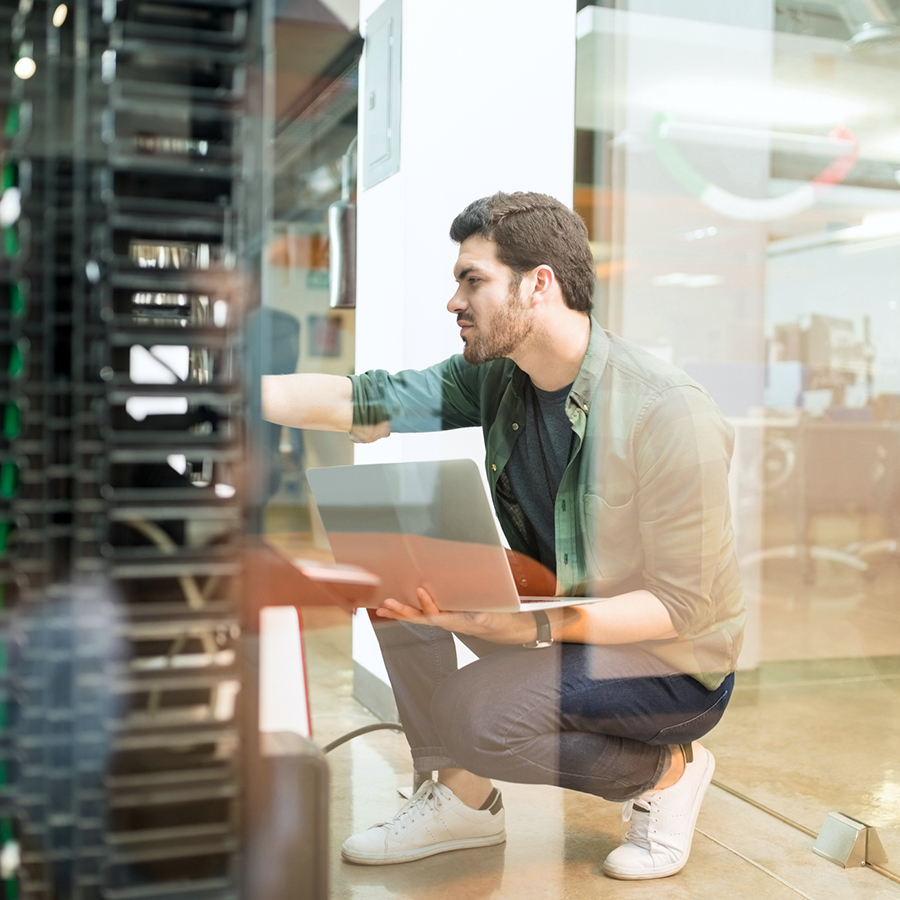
(809, 466)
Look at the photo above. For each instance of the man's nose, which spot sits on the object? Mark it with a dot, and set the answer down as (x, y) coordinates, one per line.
(456, 304)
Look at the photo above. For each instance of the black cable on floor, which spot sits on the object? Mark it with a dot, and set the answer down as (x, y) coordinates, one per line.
(378, 726)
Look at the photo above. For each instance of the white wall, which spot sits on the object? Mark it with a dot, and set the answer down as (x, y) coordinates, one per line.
(487, 104)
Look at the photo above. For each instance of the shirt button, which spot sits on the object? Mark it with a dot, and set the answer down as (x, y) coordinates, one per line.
(493, 467)
(585, 407)
(564, 506)
(515, 426)
(566, 558)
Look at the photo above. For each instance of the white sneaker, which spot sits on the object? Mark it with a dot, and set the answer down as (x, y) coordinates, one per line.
(658, 840)
(433, 821)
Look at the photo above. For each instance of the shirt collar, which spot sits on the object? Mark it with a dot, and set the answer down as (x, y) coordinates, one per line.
(592, 366)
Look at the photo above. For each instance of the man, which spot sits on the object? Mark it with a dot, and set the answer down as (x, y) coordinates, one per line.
(608, 466)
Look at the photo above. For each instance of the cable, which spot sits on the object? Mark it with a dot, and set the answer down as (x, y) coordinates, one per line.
(378, 726)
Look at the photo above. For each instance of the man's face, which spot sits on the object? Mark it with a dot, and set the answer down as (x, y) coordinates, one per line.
(493, 319)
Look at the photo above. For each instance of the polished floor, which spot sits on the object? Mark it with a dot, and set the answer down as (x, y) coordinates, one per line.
(815, 729)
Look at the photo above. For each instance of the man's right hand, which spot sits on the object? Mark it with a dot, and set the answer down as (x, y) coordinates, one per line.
(366, 434)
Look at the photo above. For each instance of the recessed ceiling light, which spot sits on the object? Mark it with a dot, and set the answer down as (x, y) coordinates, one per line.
(699, 233)
(682, 279)
(59, 14)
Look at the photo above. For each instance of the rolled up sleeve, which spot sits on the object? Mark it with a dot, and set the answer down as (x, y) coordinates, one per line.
(434, 399)
(683, 449)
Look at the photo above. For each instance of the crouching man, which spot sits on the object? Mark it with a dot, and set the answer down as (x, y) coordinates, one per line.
(608, 466)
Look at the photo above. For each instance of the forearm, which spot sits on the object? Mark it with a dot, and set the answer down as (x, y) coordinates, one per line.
(623, 619)
(308, 400)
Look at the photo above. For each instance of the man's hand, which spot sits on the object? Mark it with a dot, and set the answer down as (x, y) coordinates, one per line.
(366, 434)
(502, 628)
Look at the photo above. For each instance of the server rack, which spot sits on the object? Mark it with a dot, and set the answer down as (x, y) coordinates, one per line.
(123, 494)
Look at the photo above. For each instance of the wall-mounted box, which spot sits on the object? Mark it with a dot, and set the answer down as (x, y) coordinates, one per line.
(381, 94)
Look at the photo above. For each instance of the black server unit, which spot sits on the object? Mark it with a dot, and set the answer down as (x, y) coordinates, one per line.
(128, 241)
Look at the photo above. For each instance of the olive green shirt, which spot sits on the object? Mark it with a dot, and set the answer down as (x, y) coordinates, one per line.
(644, 499)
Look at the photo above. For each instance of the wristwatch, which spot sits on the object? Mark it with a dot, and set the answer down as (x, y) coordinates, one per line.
(544, 633)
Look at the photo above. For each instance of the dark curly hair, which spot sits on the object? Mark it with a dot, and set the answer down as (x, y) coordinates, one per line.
(533, 230)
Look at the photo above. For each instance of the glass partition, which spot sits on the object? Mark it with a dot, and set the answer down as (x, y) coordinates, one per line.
(738, 166)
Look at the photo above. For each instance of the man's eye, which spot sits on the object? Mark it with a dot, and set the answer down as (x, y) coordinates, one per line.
(474, 280)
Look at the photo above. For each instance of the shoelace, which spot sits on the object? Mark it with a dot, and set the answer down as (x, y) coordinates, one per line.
(427, 796)
(638, 827)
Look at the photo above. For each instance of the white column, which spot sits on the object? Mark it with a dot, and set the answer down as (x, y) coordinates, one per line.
(487, 104)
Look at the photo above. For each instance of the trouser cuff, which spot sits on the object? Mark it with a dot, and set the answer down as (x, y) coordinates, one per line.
(431, 758)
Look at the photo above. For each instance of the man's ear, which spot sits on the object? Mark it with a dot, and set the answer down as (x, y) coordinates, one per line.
(544, 281)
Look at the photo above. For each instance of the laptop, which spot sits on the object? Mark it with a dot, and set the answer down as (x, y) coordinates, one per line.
(430, 525)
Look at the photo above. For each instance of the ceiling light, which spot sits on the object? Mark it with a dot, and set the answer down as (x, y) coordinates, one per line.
(59, 14)
(871, 22)
(699, 233)
(25, 67)
(682, 279)
(760, 104)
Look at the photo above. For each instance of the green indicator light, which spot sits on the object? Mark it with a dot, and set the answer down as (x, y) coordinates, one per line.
(16, 362)
(11, 241)
(12, 120)
(16, 299)
(9, 479)
(10, 176)
(6, 830)
(4, 537)
(12, 422)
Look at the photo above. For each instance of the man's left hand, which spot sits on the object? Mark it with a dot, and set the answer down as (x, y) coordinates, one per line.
(502, 628)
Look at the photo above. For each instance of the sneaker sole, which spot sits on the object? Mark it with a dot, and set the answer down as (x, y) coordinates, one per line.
(382, 859)
(674, 868)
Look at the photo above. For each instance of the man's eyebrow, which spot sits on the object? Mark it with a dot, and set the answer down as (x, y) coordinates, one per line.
(466, 271)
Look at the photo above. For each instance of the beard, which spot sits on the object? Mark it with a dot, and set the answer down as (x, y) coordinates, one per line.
(508, 328)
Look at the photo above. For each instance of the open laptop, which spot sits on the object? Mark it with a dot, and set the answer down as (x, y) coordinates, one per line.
(426, 524)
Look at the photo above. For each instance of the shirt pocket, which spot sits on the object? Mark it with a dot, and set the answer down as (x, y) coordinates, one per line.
(613, 536)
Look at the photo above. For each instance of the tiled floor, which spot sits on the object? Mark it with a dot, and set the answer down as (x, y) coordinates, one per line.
(803, 738)
(815, 729)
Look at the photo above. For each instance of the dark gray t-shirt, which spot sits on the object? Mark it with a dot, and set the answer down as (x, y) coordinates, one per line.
(546, 426)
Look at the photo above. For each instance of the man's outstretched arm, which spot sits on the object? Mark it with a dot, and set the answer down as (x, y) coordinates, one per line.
(308, 400)
(318, 402)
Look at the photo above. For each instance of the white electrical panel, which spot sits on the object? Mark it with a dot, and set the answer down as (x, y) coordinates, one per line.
(381, 94)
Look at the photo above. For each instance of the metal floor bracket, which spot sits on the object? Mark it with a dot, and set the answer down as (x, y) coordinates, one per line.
(848, 842)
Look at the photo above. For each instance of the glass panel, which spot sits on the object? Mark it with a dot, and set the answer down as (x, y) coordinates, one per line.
(315, 85)
(738, 166)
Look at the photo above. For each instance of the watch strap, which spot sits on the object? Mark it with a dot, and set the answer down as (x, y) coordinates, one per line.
(544, 632)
